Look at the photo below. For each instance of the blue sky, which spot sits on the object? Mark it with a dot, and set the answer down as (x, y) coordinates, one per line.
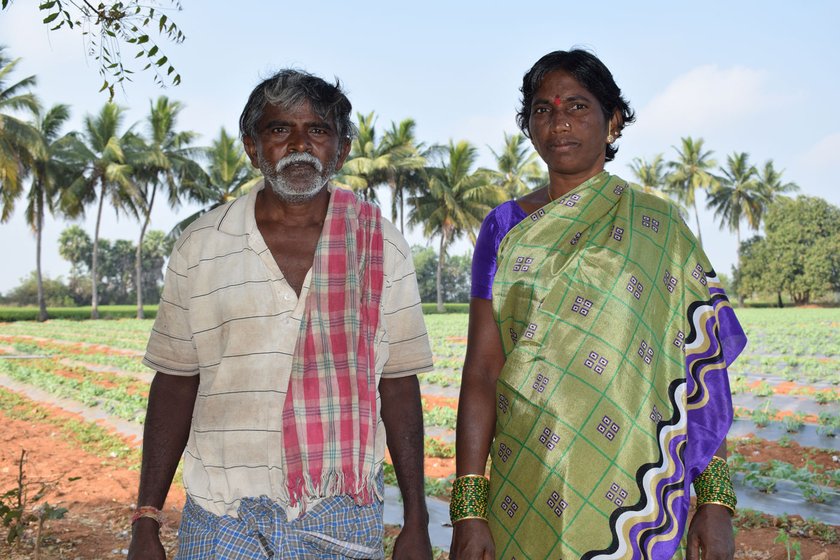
(759, 77)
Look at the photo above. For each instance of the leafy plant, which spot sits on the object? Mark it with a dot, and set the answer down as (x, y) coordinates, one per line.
(828, 424)
(814, 493)
(790, 546)
(763, 389)
(442, 416)
(826, 397)
(433, 447)
(762, 416)
(761, 483)
(793, 423)
(15, 503)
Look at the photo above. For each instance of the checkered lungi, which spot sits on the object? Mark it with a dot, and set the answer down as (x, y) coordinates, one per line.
(333, 529)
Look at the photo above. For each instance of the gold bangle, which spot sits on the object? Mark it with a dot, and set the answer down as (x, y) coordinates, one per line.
(469, 498)
(727, 506)
(714, 485)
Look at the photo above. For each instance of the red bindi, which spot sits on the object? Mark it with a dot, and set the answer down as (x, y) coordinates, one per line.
(557, 100)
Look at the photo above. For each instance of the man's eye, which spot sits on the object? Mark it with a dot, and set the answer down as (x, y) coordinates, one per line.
(279, 130)
(578, 106)
(540, 110)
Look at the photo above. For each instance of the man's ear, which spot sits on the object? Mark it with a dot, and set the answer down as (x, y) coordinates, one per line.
(343, 152)
(251, 150)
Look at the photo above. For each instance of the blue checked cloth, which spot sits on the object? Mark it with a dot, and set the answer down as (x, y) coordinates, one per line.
(333, 529)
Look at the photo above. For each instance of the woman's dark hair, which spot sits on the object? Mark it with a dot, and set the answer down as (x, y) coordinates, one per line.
(591, 73)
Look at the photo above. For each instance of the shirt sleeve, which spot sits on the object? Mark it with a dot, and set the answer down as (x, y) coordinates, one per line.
(409, 352)
(171, 349)
(484, 258)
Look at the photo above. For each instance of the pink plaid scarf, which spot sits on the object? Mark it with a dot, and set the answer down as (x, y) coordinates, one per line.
(329, 416)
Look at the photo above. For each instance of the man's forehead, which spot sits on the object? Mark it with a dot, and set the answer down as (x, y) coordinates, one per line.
(297, 107)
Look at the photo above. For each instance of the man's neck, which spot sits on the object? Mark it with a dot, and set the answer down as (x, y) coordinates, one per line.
(271, 208)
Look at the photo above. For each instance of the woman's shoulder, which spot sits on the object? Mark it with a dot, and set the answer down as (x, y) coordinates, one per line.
(505, 214)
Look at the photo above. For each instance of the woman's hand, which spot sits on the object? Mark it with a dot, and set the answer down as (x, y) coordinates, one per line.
(471, 540)
(711, 533)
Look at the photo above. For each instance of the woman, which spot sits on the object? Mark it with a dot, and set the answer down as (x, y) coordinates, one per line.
(595, 375)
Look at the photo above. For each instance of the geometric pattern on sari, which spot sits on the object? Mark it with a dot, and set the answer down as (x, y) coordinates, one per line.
(572, 377)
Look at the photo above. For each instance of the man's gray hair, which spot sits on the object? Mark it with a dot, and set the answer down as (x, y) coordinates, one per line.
(289, 88)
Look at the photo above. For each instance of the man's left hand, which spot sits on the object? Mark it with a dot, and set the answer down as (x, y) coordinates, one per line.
(711, 532)
(413, 543)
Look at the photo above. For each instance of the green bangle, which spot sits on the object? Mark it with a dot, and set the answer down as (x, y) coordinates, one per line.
(469, 498)
(714, 485)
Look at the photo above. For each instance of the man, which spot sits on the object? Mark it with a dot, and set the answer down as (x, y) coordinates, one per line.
(286, 346)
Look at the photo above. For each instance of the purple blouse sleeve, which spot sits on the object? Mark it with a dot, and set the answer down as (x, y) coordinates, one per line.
(495, 226)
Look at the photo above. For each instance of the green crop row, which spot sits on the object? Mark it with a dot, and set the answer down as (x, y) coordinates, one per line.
(118, 401)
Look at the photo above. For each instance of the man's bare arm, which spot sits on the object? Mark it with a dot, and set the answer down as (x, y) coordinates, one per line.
(167, 427)
(402, 415)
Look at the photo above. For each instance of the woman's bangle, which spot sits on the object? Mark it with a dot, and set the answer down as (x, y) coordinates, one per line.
(714, 485)
(147, 511)
(469, 498)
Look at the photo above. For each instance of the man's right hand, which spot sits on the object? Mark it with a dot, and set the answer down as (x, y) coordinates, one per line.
(145, 541)
(471, 540)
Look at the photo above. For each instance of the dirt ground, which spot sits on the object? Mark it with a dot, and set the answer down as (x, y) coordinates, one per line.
(99, 494)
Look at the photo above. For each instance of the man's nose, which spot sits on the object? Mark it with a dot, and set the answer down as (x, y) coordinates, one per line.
(299, 141)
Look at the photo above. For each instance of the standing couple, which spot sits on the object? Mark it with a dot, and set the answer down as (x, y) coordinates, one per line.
(289, 336)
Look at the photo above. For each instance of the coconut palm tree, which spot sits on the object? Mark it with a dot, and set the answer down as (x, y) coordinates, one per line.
(407, 158)
(650, 175)
(102, 172)
(689, 172)
(229, 175)
(367, 164)
(771, 184)
(46, 172)
(18, 139)
(455, 201)
(518, 168)
(738, 196)
(165, 161)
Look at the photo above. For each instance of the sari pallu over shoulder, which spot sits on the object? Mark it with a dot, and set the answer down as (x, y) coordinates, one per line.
(614, 394)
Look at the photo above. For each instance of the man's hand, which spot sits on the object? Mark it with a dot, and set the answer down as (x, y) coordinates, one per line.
(145, 541)
(711, 533)
(413, 543)
(471, 540)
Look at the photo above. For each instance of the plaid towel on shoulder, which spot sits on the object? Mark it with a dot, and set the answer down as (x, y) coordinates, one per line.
(329, 416)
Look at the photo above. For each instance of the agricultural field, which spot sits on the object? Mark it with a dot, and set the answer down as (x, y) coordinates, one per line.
(72, 403)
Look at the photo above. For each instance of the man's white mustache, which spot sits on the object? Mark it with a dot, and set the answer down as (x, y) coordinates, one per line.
(299, 157)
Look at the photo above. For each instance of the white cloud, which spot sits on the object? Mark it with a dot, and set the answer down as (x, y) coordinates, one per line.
(705, 99)
(823, 153)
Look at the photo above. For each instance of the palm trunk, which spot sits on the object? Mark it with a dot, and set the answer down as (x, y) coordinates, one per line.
(138, 269)
(738, 257)
(94, 296)
(697, 219)
(39, 227)
(138, 257)
(439, 275)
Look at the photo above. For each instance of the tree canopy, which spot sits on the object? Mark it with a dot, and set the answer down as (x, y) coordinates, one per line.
(109, 27)
(799, 254)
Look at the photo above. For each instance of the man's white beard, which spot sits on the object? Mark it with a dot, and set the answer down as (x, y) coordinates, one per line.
(298, 184)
